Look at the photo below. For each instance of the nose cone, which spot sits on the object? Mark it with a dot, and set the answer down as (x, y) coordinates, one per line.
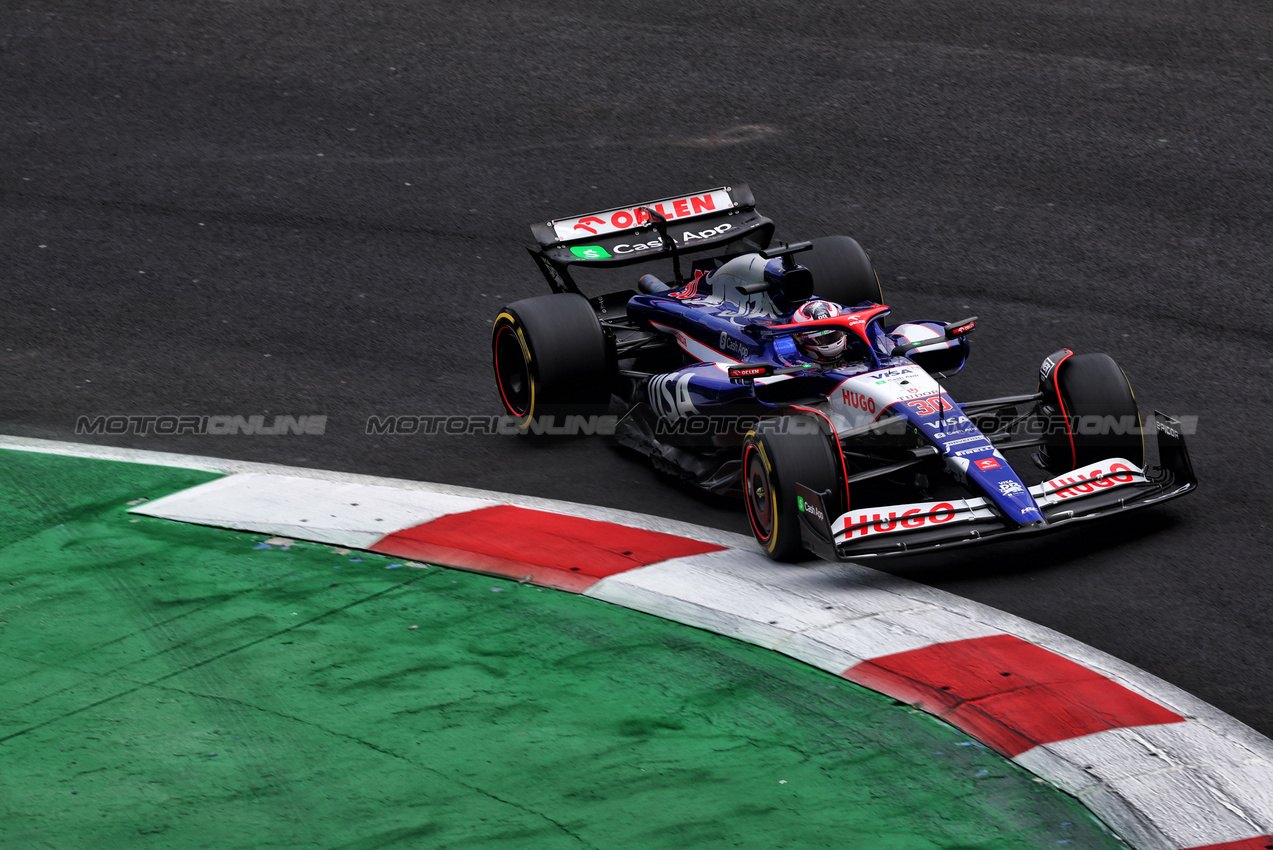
(992, 475)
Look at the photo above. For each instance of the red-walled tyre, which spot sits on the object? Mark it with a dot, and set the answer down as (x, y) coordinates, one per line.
(776, 455)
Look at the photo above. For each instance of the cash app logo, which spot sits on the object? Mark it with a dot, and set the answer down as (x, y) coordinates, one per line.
(590, 252)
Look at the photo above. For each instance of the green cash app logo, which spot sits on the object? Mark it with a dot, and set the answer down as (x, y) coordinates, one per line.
(590, 252)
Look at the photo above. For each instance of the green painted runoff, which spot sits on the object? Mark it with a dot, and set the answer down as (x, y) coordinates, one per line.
(171, 686)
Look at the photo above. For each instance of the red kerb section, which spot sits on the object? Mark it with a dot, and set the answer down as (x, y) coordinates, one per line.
(1263, 842)
(554, 550)
(1008, 693)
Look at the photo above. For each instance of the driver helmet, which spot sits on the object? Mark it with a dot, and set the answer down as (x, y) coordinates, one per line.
(824, 345)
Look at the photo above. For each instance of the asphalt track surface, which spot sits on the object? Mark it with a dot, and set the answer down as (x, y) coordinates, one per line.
(282, 208)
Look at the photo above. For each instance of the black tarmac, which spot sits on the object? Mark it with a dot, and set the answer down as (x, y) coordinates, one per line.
(237, 208)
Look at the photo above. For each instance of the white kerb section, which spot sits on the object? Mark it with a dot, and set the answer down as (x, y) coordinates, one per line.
(1178, 785)
(832, 617)
(343, 513)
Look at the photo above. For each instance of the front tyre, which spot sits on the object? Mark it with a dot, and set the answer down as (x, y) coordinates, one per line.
(776, 455)
(550, 358)
(1091, 401)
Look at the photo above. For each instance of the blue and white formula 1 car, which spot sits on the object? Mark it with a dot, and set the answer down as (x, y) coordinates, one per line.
(774, 373)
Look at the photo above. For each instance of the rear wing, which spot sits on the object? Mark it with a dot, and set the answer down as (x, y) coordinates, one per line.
(699, 221)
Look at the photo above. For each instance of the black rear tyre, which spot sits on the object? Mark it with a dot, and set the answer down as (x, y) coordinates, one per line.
(777, 455)
(1093, 397)
(842, 271)
(550, 358)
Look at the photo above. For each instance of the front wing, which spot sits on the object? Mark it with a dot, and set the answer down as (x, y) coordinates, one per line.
(1099, 489)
